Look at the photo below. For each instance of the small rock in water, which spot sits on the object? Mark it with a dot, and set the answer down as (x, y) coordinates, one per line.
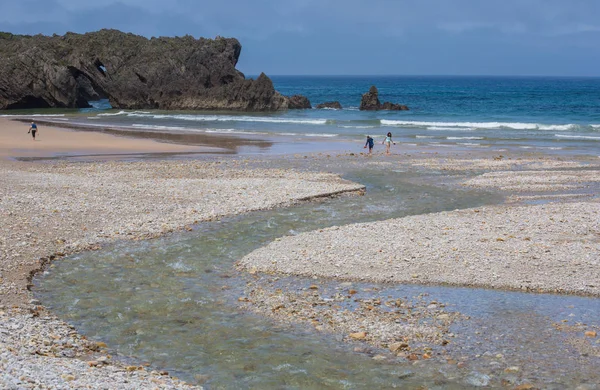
(525, 386)
(591, 333)
(478, 379)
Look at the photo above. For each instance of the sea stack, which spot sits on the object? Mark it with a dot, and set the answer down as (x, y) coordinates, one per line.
(131, 71)
(370, 102)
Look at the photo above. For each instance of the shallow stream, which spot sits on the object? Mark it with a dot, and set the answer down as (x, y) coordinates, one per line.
(173, 302)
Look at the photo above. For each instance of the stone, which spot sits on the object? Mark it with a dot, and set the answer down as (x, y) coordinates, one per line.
(299, 102)
(477, 379)
(180, 73)
(393, 107)
(333, 105)
(370, 102)
(358, 335)
(396, 347)
(525, 386)
(591, 333)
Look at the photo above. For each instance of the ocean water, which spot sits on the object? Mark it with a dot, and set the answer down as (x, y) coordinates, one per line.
(545, 113)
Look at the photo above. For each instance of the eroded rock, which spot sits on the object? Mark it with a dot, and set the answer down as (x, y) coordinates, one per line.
(334, 105)
(370, 102)
(131, 71)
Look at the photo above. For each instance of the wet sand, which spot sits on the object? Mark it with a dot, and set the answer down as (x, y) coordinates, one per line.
(56, 141)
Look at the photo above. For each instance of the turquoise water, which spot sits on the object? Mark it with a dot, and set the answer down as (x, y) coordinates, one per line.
(542, 113)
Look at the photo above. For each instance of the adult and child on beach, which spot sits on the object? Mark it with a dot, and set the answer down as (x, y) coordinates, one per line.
(387, 142)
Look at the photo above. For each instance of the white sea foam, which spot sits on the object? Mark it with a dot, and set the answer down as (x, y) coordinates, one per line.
(424, 136)
(357, 127)
(232, 131)
(459, 138)
(157, 127)
(113, 113)
(473, 144)
(476, 125)
(226, 118)
(441, 128)
(568, 136)
(321, 135)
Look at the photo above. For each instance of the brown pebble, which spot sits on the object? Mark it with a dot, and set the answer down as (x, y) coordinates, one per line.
(358, 335)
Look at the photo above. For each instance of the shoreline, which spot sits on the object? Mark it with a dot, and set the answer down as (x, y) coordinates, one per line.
(56, 190)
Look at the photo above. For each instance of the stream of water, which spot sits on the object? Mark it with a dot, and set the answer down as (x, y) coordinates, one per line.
(172, 302)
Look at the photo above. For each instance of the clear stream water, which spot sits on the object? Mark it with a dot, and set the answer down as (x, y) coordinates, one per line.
(172, 302)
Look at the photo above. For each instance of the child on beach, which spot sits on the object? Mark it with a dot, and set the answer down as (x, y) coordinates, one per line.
(387, 142)
(369, 143)
(33, 130)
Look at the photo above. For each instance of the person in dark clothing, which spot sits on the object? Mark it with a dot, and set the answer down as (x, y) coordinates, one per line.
(370, 143)
(33, 129)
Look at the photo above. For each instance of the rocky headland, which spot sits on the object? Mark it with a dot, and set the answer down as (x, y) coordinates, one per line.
(370, 102)
(132, 72)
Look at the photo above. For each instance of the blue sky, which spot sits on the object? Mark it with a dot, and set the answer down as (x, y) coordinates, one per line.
(457, 37)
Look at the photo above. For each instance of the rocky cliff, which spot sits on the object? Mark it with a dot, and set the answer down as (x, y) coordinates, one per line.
(133, 72)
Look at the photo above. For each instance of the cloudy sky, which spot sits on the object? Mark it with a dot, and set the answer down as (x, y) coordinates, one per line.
(453, 37)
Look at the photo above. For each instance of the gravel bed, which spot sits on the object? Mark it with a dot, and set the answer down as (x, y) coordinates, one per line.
(552, 247)
(51, 210)
(42, 352)
(408, 328)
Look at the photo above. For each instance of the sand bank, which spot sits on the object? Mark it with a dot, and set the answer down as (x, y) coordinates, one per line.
(55, 141)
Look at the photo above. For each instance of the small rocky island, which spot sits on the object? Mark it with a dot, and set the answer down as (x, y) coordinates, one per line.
(370, 102)
(332, 105)
(132, 72)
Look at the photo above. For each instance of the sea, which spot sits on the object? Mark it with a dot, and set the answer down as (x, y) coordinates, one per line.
(545, 114)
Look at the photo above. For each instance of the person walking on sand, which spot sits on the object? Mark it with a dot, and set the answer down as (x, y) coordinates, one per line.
(370, 143)
(388, 142)
(33, 129)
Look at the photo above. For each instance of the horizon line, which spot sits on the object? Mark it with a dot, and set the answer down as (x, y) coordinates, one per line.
(425, 75)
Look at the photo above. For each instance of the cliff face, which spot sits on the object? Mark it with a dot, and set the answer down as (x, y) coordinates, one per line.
(133, 72)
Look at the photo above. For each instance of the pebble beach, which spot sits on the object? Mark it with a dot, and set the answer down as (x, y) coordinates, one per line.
(545, 237)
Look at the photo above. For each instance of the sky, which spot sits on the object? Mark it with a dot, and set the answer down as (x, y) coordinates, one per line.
(352, 37)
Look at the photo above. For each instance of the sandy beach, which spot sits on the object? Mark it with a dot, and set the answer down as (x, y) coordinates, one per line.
(53, 141)
(545, 237)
